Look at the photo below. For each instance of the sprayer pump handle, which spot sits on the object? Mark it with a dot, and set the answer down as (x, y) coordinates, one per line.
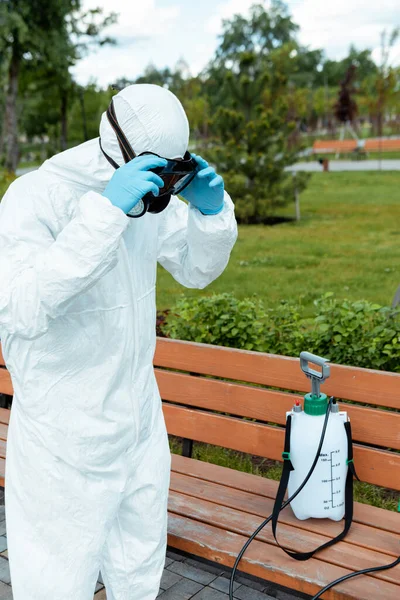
(306, 358)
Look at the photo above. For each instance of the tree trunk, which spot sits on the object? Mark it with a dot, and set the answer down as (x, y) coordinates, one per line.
(11, 112)
(64, 122)
(84, 120)
(42, 149)
(3, 134)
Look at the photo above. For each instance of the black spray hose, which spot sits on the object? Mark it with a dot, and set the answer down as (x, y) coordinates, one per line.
(285, 504)
(356, 574)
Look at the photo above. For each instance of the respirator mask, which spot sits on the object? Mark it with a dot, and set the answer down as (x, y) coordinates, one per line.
(176, 175)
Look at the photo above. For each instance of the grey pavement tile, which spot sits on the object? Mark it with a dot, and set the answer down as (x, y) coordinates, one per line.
(3, 528)
(100, 578)
(3, 543)
(193, 573)
(4, 571)
(5, 592)
(99, 586)
(216, 569)
(168, 561)
(246, 593)
(287, 595)
(169, 579)
(185, 589)
(254, 585)
(281, 593)
(222, 584)
(210, 594)
(175, 556)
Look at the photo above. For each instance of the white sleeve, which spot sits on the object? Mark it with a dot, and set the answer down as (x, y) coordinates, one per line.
(40, 274)
(193, 247)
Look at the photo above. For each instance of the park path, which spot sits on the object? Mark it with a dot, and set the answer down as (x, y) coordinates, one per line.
(313, 166)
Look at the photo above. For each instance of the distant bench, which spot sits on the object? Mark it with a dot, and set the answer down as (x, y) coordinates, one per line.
(213, 509)
(355, 146)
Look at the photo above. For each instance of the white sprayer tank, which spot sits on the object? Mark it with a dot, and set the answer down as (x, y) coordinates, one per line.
(324, 495)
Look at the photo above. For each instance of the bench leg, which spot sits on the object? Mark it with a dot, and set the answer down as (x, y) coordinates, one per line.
(4, 400)
(187, 448)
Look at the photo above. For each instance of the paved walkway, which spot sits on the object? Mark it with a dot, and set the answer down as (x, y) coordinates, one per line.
(348, 165)
(184, 578)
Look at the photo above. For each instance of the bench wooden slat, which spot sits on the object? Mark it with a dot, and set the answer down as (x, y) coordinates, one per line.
(268, 562)
(3, 448)
(5, 415)
(376, 427)
(334, 145)
(247, 502)
(370, 145)
(385, 520)
(384, 145)
(341, 555)
(360, 385)
(3, 431)
(5, 382)
(374, 466)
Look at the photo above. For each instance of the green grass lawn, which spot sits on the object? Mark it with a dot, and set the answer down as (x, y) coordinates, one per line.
(348, 242)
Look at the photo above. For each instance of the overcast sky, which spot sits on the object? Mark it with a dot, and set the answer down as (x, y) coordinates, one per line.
(163, 31)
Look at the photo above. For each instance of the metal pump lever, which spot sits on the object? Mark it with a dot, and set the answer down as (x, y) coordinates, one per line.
(317, 377)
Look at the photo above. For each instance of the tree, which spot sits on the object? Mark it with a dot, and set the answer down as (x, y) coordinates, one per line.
(34, 33)
(333, 72)
(346, 107)
(252, 128)
(28, 29)
(85, 112)
(387, 81)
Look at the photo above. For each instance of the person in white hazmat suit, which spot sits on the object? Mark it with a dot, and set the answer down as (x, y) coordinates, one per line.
(88, 460)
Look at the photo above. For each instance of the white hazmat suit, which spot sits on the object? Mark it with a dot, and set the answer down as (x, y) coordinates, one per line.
(88, 461)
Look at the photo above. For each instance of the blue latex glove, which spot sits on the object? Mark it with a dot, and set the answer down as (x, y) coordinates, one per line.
(206, 191)
(132, 181)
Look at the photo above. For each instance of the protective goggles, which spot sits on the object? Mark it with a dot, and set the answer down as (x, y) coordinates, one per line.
(176, 175)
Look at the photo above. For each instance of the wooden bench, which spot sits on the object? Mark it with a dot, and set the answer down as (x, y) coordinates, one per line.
(213, 510)
(334, 146)
(354, 146)
(376, 145)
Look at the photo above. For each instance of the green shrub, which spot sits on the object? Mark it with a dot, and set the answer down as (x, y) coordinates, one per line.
(350, 333)
(357, 333)
(5, 180)
(221, 320)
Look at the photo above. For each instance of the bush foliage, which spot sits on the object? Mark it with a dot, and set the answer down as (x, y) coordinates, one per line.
(349, 333)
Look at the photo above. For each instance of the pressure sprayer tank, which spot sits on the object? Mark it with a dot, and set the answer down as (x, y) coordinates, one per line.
(324, 494)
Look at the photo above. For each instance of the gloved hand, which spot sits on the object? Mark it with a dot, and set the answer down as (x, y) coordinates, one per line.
(132, 181)
(206, 191)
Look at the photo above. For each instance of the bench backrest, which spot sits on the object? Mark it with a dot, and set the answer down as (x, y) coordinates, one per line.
(370, 145)
(329, 146)
(204, 401)
(382, 145)
(238, 400)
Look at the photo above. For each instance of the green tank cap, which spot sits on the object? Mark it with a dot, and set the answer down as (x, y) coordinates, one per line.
(315, 406)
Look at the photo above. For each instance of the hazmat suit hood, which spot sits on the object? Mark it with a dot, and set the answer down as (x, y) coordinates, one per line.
(153, 120)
